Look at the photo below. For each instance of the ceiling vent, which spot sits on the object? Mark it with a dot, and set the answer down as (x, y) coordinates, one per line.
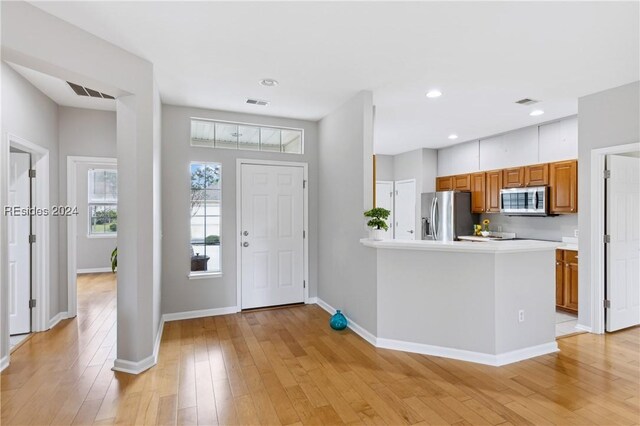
(84, 91)
(257, 102)
(527, 101)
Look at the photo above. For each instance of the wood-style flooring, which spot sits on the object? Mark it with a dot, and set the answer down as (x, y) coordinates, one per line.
(287, 366)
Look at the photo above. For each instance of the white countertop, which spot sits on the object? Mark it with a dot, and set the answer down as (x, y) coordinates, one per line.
(565, 246)
(464, 246)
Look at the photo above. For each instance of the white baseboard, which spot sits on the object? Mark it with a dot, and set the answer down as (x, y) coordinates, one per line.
(56, 319)
(355, 327)
(311, 301)
(584, 328)
(4, 362)
(94, 270)
(175, 316)
(131, 367)
(460, 354)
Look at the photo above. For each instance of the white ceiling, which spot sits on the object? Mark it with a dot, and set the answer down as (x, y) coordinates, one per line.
(482, 55)
(60, 92)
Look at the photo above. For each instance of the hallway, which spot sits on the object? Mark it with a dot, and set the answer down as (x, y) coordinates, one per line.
(286, 366)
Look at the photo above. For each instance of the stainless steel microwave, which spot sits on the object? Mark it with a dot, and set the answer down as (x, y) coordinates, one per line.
(532, 201)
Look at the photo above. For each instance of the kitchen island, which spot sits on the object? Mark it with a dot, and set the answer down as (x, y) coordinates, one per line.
(486, 302)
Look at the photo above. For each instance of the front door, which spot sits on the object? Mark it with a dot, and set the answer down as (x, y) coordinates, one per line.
(19, 250)
(405, 210)
(623, 252)
(272, 225)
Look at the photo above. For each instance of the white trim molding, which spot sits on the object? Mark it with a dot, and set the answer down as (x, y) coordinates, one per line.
(94, 270)
(131, 367)
(202, 313)
(495, 360)
(57, 318)
(583, 328)
(4, 362)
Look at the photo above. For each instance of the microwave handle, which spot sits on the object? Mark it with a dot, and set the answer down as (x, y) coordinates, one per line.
(535, 200)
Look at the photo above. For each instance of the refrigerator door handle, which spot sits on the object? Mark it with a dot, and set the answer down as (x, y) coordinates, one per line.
(434, 212)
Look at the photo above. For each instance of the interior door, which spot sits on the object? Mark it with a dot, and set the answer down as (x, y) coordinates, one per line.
(623, 252)
(405, 210)
(272, 225)
(19, 250)
(384, 199)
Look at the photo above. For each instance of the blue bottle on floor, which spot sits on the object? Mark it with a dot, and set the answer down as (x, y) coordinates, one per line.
(338, 321)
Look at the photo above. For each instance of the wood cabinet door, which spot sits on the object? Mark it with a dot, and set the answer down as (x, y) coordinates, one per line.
(478, 192)
(513, 177)
(493, 187)
(563, 177)
(560, 283)
(537, 175)
(462, 182)
(444, 183)
(571, 286)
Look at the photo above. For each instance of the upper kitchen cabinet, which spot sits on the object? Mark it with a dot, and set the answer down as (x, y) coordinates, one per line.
(563, 177)
(444, 183)
(458, 159)
(492, 188)
(516, 148)
(478, 192)
(536, 175)
(558, 141)
(513, 177)
(462, 183)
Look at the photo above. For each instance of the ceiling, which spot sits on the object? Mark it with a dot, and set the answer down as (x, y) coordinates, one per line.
(60, 92)
(483, 56)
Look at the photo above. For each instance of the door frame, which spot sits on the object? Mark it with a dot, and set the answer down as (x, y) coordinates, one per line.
(72, 225)
(597, 226)
(416, 205)
(305, 246)
(41, 252)
(393, 203)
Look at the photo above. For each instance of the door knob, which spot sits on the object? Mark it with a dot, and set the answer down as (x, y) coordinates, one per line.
(245, 233)
(411, 232)
(245, 244)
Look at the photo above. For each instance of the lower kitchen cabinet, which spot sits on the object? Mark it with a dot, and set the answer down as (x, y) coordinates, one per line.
(567, 280)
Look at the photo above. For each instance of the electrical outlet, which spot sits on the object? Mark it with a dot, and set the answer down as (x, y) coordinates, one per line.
(521, 315)
(575, 233)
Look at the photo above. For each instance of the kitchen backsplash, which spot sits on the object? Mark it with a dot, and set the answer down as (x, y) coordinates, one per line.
(542, 228)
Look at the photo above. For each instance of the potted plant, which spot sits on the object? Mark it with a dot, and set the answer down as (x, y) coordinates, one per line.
(377, 223)
(114, 260)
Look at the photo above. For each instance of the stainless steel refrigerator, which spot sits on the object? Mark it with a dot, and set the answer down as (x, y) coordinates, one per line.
(446, 215)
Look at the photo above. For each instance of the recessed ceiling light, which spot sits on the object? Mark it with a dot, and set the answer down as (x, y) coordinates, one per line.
(536, 112)
(269, 82)
(453, 136)
(434, 93)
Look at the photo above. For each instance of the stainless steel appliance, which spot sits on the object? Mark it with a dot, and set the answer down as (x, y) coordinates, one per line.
(446, 215)
(532, 201)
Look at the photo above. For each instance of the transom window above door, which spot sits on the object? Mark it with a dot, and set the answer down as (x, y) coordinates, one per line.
(248, 137)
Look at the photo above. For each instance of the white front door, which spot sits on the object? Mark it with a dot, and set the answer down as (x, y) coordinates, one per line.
(384, 199)
(19, 250)
(623, 252)
(405, 210)
(272, 225)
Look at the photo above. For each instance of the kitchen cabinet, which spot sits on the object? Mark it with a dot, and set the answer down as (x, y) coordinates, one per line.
(492, 188)
(536, 175)
(462, 183)
(513, 177)
(563, 180)
(444, 183)
(478, 192)
(567, 280)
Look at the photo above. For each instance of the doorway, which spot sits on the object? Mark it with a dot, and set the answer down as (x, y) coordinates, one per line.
(19, 232)
(384, 199)
(272, 227)
(405, 210)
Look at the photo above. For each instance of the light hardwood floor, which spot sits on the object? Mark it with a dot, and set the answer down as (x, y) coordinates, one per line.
(287, 366)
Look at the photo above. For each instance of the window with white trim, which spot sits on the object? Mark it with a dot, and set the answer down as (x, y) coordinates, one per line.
(103, 202)
(206, 208)
(248, 137)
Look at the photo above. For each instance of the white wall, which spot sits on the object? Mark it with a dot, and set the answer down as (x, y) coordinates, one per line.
(459, 159)
(180, 294)
(605, 119)
(384, 167)
(347, 270)
(88, 133)
(29, 114)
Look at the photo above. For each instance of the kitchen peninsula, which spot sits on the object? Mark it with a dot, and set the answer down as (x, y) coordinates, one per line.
(486, 302)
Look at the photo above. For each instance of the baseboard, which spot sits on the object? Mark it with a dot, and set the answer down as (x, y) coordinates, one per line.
(355, 327)
(175, 316)
(526, 353)
(94, 270)
(131, 367)
(56, 319)
(4, 362)
(311, 301)
(584, 328)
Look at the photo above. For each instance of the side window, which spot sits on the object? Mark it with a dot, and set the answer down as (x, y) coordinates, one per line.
(103, 202)
(206, 205)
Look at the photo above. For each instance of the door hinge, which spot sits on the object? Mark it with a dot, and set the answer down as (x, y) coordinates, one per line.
(304, 184)
(32, 303)
(606, 174)
(32, 239)
(607, 304)
(606, 239)
(304, 284)
(304, 234)
(32, 173)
